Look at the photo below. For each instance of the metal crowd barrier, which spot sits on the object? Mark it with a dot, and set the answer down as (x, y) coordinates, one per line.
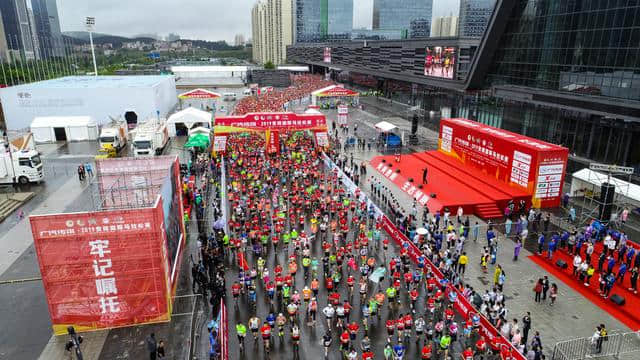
(614, 346)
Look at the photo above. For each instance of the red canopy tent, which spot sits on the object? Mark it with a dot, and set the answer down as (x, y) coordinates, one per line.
(335, 93)
(199, 94)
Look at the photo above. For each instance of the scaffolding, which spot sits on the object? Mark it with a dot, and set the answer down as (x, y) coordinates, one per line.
(595, 201)
(135, 184)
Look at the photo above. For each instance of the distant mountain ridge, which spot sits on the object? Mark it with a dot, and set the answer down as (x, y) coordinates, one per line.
(82, 37)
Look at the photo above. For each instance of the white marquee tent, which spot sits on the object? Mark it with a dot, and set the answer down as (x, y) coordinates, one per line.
(101, 97)
(180, 122)
(586, 179)
(47, 129)
(384, 126)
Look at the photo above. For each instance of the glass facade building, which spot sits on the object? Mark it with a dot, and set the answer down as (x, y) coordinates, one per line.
(323, 20)
(397, 16)
(563, 71)
(311, 20)
(474, 16)
(583, 47)
(340, 19)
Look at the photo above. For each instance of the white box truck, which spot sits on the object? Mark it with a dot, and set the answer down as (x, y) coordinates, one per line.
(114, 135)
(20, 162)
(150, 138)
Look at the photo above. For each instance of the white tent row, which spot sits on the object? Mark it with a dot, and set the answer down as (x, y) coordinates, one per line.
(586, 179)
(184, 120)
(47, 129)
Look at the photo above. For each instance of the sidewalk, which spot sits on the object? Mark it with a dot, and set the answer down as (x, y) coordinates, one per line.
(572, 316)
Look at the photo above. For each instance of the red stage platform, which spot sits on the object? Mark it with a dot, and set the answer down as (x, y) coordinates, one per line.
(628, 314)
(453, 183)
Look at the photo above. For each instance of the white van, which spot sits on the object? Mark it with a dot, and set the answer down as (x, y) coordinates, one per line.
(229, 96)
(246, 92)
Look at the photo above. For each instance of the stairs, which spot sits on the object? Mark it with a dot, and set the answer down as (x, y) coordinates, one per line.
(487, 211)
(11, 202)
(7, 206)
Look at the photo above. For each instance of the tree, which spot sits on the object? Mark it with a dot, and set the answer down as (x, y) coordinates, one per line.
(269, 66)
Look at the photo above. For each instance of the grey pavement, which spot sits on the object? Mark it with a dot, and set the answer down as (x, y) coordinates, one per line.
(311, 336)
(25, 310)
(572, 316)
(25, 314)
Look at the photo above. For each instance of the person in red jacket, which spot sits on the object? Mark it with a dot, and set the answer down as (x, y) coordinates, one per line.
(353, 330)
(390, 325)
(344, 340)
(495, 345)
(481, 346)
(467, 354)
(367, 355)
(413, 294)
(427, 351)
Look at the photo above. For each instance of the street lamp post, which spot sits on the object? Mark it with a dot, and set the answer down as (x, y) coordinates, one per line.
(90, 23)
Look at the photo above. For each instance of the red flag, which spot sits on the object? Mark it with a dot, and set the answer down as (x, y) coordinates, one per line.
(242, 262)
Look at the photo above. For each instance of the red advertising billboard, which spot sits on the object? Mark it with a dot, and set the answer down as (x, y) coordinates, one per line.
(531, 165)
(286, 121)
(104, 269)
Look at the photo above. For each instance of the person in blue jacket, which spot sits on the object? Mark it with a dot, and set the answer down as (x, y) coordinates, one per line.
(621, 272)
(398, 351)
(552, 246)
(610, 264)
(630, 254)
(610, 280)
(541, 241)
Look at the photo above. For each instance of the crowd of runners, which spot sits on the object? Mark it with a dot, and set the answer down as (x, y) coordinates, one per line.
(274, 101)
(312, 259)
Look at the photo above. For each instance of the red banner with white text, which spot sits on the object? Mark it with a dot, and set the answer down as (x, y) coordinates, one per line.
(529, 164)
(104, 269)
(272, 121)
(461, 305)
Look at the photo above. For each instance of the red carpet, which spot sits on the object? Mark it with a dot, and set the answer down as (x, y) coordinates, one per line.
(628, 314)
(453, 183)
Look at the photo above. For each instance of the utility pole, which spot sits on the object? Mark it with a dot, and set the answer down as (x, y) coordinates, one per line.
(91, 22)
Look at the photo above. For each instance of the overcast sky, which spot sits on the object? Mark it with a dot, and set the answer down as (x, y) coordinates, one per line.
(192, 19)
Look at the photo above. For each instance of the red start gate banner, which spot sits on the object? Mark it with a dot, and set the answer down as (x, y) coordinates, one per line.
(286, 121)
(532, 165)
(104, 269)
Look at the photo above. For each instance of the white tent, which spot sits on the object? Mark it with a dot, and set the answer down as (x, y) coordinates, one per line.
(199, 130)
(101, 97)
(313, 112)
(48, 129)
(384, 126)
(586, 179)
(187, 119)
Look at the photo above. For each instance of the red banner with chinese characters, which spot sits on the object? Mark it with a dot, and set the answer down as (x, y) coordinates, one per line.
(272, 121)
(529, 164)
(104, 269)
(336, 91)
(461, 305)
(409, 187)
